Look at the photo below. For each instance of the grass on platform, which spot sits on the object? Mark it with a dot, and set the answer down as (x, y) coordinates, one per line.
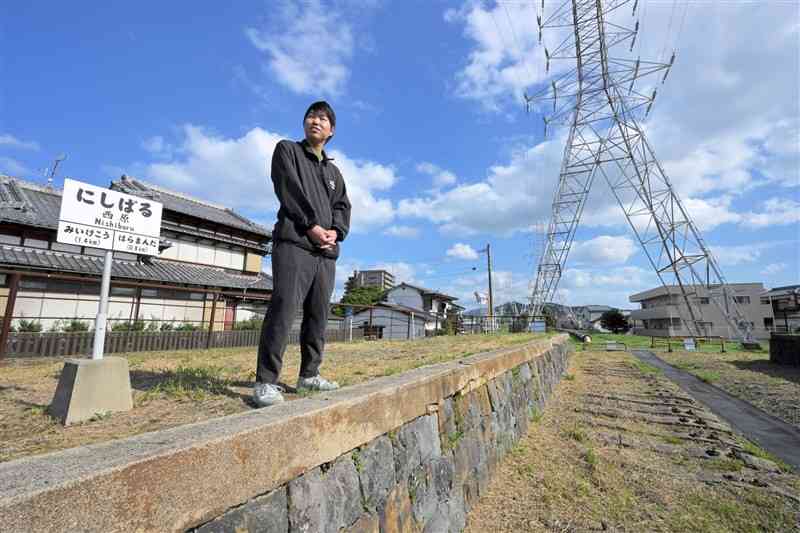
(180, 387)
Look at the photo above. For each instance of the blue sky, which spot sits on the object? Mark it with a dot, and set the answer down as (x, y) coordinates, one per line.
(438, 153)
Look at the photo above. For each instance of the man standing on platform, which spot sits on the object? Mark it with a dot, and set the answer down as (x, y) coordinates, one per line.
(314, 217)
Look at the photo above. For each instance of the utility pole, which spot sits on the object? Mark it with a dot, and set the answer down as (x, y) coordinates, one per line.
(490, 314)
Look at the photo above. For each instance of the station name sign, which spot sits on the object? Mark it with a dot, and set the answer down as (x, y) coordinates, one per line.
(111, 220)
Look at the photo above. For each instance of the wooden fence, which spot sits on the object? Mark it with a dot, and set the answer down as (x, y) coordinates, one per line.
(64, 344)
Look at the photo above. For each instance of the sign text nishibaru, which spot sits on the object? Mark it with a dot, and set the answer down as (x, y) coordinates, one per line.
(103, 218)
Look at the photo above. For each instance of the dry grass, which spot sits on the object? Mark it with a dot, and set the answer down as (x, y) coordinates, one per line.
(749, 376)
(595, 462)
(174, 388)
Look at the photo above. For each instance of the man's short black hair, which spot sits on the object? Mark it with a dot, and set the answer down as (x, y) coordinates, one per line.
(322, 107)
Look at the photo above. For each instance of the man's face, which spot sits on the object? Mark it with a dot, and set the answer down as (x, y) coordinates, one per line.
(317, 127)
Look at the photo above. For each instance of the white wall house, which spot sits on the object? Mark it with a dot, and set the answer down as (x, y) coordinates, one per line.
(393, 321)
(434, 304)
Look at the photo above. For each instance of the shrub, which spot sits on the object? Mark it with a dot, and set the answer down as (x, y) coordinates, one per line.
(75, 326)
(250, 324)
(152, 325)
(136, 325)
(29, 326)
(187, 326)
(168, 326)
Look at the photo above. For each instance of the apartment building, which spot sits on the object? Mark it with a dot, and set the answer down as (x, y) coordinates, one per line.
(370, 278)
(662, 309)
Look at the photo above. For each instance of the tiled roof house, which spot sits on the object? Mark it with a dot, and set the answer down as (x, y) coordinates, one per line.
(214, 254)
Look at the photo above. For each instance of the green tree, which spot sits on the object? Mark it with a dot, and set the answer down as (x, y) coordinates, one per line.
(614, 321)
(549, 317)
(359, 296)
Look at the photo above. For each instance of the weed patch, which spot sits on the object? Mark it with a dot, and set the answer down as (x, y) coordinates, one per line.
(189, 383)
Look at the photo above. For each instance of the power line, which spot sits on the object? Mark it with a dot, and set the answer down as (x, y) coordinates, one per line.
(519, 47)
(669, 30)
(497, 27)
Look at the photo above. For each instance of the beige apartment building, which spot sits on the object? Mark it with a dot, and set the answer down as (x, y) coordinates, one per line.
(370, 278)
(662, 309)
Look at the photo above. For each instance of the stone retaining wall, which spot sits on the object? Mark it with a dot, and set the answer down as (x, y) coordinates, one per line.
(410, 452)
(784, 349)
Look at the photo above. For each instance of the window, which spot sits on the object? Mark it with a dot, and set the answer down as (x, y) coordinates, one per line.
(742, 300)
(765, 301)
(676, 322)
(123, 291)
(33, 284)
(64, 287)
(703, 301)
(61, 247)
(149, 293)
(35, 243)
(197, 296)
(6, 238)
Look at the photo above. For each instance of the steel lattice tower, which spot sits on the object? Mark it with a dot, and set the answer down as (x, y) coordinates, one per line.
(599, 101)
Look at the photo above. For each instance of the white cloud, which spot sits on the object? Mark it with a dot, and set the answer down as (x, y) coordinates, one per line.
(506, 59)
(736, 255)
(235, 172)
(604, 250)
(156, 145)
(711, 212)
(776, 212)
(12, 167)
(506, 286)
(511, 199)
(605, 287)
(731, 255)
(462, 251)
(401, 270)
(441, 177)
(773, 268)
(308, 46)
(405, 232)
(716, 134)
(364, 179)
(10, 141)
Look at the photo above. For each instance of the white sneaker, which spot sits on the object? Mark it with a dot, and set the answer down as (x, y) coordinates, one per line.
(316, 383)
(266, 394)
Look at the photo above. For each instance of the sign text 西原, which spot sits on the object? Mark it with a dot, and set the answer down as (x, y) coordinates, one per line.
(103, 218)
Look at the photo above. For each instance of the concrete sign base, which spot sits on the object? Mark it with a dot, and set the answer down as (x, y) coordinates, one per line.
(88, 387)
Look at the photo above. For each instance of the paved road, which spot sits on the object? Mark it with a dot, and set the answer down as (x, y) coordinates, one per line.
(776, 436)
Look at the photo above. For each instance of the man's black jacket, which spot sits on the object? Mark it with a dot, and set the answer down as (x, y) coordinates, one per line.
(310, 192)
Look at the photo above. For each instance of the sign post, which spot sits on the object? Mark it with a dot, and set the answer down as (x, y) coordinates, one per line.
(94, 217)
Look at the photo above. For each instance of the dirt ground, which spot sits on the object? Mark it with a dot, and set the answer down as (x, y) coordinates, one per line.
(749, 376)
(621, 448)
(175, 388)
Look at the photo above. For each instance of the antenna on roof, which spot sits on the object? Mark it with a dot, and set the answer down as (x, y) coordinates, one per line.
(59, 158)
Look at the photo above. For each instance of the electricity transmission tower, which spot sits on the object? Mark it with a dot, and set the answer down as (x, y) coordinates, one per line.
(599, 100)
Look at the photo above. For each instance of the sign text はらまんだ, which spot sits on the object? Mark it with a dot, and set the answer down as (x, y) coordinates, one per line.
(103, 218)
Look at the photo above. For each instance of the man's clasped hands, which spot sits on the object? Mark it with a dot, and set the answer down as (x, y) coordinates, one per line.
(324, 238)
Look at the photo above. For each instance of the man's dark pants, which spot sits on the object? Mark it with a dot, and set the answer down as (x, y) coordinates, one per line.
(299, 278)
